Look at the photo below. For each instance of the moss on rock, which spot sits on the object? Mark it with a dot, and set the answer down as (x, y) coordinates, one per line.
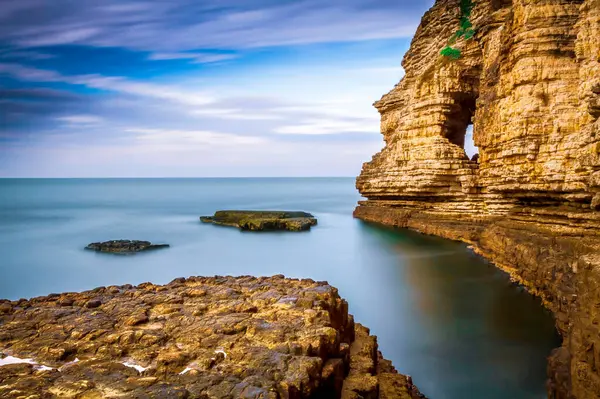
(263, 220)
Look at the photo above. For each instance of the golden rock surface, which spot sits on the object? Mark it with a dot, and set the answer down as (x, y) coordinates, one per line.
(529, 83)
(218, 337)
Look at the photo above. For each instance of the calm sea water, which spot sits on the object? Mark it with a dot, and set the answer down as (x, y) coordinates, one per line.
(442, 314)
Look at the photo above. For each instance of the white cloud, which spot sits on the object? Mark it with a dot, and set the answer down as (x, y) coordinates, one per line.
(190, 25)
(247, 16)
(68, 36)
(350, 109)
(81, 119)
(235, 114)
(176, 138)
(127, 86)
(124, 7)
(327, 126)
(110, 83)
(277, 113)
(283, 119)
(30, 74)
(147, 160)
(196, 58)
(25, 54)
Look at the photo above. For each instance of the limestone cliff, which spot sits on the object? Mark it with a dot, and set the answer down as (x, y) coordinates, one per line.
(529, 83)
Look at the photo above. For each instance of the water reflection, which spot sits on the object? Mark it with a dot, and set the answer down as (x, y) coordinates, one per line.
(483, 336)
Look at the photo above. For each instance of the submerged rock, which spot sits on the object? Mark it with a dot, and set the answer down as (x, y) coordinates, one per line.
(217, 337)
(263, 220)
(124, 246)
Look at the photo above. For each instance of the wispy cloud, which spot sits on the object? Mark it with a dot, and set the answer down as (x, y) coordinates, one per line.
(71, 35)
(37, 93)
(110, 83)
(28, 106)
(196, 58)
(128, 86)
(25, 55)
(29, 74)
(320, 117)
(212, 87)
(191, 25)
(327, 126)
(81, 120)
(166, 138)
(236, 114)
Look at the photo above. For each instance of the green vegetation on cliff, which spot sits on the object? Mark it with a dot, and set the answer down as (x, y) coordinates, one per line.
(465, 30)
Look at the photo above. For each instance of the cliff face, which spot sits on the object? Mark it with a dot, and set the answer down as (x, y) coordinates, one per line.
(529, 83)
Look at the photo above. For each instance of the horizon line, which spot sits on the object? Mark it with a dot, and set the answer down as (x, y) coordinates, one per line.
(176, 177)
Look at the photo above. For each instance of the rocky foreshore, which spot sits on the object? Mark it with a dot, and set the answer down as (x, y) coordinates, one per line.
(200, 337)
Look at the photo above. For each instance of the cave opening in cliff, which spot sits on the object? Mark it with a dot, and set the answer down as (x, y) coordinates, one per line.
(470, 148)
(458, 128)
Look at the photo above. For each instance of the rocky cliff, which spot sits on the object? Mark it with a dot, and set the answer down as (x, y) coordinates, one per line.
(529, 83)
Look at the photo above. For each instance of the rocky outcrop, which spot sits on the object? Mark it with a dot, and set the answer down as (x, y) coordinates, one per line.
(219, 337)
(529, 83)
(124, 246)
(263, 220)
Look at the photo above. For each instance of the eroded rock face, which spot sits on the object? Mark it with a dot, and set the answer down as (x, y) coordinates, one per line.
(529, 83)
(219, 337)
(263, 220)
(124, 246)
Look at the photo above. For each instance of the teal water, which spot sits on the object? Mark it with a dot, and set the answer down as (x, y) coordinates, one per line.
(442, 314)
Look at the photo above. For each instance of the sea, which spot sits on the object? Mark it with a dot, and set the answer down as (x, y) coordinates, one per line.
(442, 314)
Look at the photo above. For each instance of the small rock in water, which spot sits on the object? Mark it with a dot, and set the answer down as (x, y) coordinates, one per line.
(124, 246)
(263, 220)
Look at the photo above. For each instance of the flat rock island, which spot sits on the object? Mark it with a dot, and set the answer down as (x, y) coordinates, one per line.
(263, 220)
(200, 337)
(124, 246)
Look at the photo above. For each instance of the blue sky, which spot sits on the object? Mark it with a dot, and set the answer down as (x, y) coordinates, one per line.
(194, 88)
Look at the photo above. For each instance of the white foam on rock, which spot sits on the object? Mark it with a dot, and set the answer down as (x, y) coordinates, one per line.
(139, 368)
(221, 351)
(68, 364)
(185, 370)
(16, 360)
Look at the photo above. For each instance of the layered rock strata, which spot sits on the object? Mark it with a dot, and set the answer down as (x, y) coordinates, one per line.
(220, 337)
(529, 83)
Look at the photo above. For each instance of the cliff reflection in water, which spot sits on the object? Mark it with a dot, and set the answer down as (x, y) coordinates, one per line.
(480, 334)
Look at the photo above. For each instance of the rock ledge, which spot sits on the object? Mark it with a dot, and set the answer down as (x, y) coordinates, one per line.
(217, 337)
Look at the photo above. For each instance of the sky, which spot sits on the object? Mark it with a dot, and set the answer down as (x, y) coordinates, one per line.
(196, 88)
